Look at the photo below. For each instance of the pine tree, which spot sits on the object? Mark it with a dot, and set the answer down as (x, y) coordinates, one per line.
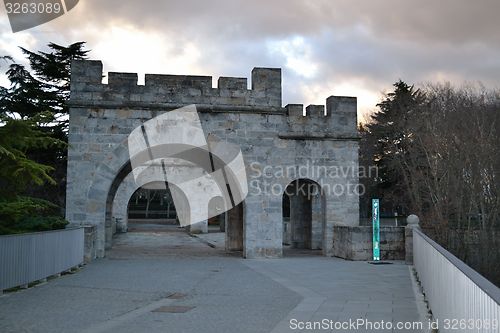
(33, 139)
(39, 96)
(390, 135)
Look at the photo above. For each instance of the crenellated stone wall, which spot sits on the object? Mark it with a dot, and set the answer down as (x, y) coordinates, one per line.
(270, 136)
(173, 90)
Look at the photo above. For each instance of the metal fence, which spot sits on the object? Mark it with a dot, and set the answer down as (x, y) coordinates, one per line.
(31, 257)
(460, 298)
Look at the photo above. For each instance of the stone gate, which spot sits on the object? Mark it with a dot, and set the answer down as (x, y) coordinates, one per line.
(284, 148)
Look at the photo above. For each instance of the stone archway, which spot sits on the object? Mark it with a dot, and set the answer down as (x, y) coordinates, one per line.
(306, 219)
(104, 115)
(128, 187)
(151, 177)
(124, 193)
(102, 186)
(120, 203)
(115, 176)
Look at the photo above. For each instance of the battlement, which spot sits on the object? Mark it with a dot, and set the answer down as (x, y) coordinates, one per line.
(335, 120)
(87, 88)
(339, 120)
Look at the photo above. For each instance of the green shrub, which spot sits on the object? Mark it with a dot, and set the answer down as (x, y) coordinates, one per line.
(25, 214)
(42, 223)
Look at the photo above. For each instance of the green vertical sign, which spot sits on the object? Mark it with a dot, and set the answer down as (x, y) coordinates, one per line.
(376, 228)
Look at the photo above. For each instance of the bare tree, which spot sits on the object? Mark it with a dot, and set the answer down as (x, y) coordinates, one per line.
(442, 147)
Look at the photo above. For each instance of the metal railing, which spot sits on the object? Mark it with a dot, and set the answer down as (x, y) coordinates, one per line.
(26, 258)
(460, 298)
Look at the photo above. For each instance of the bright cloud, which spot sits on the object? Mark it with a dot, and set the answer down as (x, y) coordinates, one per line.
(143, 52)
(297, 54)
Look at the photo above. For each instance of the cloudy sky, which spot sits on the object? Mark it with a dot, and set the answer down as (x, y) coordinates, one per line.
(325, 47)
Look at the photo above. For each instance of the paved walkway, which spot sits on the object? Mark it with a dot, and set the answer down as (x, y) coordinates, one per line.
(162, 280)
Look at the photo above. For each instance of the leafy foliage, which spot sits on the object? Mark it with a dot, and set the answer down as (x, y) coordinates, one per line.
(17, 171)
(24, 214)
(33, 138)
(46, 89)
(42, 223)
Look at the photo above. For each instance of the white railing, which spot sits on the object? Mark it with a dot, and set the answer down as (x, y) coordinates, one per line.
(460, 298)
(26, 258)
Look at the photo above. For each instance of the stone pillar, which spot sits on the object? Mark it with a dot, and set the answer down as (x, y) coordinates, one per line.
(413, 223)
(121, 225)
(90, 236)
(234, 228)
(108, 224)
(222, 222)
(262, 226)
(199, 228)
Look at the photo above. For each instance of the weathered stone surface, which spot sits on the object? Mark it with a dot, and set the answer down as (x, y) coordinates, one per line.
(89, 252)
(234, 228)
(271, 138)
(356, 243)
(413, 223)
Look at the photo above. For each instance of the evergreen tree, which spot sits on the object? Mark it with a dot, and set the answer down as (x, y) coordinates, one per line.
(38, 95)
(46, 88)
(33, 139)
(389, 137)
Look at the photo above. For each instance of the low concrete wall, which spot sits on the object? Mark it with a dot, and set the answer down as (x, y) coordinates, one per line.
(355, 243)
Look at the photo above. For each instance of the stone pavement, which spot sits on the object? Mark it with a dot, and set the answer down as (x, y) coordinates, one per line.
(151, 274)
(213, 238)
(339, 290)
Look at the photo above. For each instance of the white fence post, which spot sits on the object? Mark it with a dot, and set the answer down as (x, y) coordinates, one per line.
(412, 221)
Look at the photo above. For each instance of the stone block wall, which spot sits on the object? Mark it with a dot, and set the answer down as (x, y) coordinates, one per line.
(356, 243)
(89, 251)
(270, 136)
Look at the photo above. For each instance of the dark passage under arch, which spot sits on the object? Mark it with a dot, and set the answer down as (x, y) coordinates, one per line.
(303, 217)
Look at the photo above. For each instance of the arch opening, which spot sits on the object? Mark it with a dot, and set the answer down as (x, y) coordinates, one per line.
(151, 206)
(303, 217)
(123, 185)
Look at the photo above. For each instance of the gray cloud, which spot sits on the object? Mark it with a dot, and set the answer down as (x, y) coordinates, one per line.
(450, 21)
(365, 43)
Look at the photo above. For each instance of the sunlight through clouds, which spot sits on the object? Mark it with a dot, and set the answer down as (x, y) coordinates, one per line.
(298, 55)
(145, 52)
